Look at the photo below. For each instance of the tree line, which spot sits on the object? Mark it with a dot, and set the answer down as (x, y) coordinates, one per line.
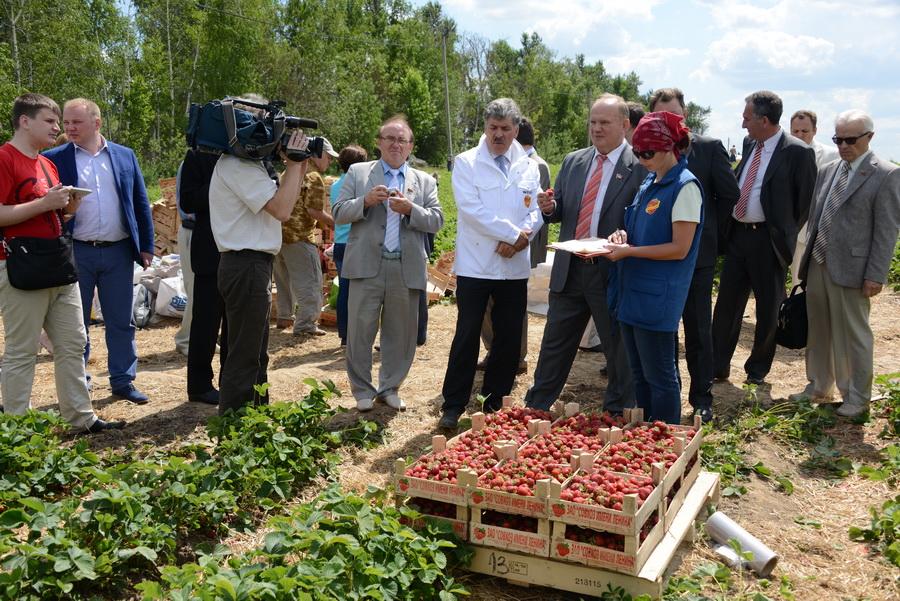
(347, 63)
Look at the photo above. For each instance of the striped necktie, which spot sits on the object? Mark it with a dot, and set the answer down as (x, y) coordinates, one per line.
(502, 164)
(740, 210)
(392, 227)
(586, 212)
(831, 206)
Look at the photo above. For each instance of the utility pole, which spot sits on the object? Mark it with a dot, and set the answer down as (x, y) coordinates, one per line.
(444, 33)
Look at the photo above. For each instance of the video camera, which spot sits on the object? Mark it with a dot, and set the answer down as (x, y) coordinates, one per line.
(220, 127)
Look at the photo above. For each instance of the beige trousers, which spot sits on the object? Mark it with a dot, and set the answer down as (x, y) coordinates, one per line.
(839, 345)
(58, 311)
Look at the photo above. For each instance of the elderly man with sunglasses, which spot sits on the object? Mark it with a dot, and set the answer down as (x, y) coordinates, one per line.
(852, 234)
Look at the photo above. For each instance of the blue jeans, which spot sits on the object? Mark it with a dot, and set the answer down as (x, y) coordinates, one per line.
(654, 366)
(343, 291)
(110, 269)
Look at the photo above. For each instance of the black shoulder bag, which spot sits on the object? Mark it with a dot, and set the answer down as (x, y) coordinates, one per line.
(792, 323)
(39, 263)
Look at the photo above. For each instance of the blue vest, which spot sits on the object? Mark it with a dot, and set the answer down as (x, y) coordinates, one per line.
(652, 293)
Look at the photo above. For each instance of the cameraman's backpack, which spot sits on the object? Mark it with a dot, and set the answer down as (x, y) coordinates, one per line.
(218, 126)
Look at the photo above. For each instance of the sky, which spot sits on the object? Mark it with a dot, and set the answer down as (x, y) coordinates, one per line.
(824, 55)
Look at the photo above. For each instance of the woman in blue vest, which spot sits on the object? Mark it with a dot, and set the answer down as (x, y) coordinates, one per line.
(658, 250)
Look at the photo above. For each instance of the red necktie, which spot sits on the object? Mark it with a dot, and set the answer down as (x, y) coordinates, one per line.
(583, 228)
(740, 210)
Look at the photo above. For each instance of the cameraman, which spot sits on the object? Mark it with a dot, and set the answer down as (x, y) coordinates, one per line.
(247, 208)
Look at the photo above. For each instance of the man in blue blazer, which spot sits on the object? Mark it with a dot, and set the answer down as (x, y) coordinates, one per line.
(113, 229)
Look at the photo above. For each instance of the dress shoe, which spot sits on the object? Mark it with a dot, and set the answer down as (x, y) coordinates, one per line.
(449, 421)
(284, 323)
(99, 426)
(705, 413)
(721, 377)
(591, 349)
(130, 393)
(363, 405)
(800, 397)
(394, 401)
(754, 380)
(851, 409)
(210, 397)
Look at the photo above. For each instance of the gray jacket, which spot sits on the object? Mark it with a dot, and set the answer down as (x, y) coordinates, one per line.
(864, 228)
(362, 258)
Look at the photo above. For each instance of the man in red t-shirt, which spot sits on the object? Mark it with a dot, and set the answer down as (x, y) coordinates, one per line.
(34, 204)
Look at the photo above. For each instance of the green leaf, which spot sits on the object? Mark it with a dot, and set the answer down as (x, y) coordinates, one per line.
(13, 518)
(808, 522)
(785, 484)
(762, 470)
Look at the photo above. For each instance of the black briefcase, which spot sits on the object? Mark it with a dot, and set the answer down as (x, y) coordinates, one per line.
(792, 324)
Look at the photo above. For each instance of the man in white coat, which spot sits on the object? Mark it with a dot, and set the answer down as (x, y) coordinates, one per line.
(495, 185)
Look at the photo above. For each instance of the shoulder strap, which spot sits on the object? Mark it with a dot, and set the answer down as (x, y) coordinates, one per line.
(59, 213)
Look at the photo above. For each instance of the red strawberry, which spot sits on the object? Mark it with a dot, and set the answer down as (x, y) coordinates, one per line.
(477, 498)
(404, 484)
(480, 533)
(558, 509)
(562, 549)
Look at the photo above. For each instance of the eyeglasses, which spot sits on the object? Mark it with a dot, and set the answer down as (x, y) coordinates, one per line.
(644, 154)
(392, 140)
(849, 140)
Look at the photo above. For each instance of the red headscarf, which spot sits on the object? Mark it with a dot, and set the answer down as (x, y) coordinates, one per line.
(660, 131)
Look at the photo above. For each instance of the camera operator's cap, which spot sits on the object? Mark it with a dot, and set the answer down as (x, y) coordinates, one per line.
(328, 149)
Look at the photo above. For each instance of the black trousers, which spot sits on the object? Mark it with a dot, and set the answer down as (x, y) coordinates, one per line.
(472, 294)
(584, 297)
(750, 265)
(698, 340)
(245, 280)
(208, 317)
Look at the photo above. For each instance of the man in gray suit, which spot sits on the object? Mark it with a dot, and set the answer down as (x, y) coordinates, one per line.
(851, 241)
(593, 187)
(390, 205)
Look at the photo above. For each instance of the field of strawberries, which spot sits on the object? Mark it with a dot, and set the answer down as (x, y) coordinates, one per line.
(585, 488)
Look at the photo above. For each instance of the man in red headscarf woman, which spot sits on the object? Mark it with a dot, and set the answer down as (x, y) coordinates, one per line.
(656, 254)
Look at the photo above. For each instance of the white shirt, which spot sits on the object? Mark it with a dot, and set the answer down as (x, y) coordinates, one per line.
(100, 215)
(238, 191)
(755, 212)
(492, 208)
(609, 165)
(824, 155)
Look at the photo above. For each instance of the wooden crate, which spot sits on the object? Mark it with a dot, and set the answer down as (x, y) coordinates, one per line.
(629, 561)
(628, 521)
(520, 568)
(166, 219)
(411, 486)
(675, 497)
(459, 524)
(441, 277)
(532, 543)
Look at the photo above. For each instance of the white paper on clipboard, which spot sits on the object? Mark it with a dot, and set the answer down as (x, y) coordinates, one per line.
(586, 247)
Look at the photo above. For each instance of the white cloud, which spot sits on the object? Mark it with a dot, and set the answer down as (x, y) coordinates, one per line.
(766, 51)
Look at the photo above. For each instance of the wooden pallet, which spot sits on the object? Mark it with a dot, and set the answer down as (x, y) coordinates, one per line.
(518, 568)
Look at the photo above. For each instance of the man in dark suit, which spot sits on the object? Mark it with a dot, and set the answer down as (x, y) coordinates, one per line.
(593, 187)
(853, 231)
(708, 161)
(207, 303)
(776, 176)
(113, 229)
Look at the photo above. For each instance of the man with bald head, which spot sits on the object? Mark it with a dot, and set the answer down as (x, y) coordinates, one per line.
(113, 230)
(593, 187)
(852, 234)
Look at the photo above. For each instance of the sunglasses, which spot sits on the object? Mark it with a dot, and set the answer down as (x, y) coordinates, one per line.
(644, 154)
(849, 140)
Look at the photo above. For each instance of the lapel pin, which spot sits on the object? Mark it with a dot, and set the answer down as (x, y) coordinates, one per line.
(618, 176)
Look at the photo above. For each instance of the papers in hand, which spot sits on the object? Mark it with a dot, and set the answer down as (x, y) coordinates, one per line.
(79, 192)
(586, 247)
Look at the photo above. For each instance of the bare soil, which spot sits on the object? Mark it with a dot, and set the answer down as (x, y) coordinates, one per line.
(821, 563)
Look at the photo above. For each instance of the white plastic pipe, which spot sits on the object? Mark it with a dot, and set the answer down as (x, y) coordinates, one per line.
(722, 528)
